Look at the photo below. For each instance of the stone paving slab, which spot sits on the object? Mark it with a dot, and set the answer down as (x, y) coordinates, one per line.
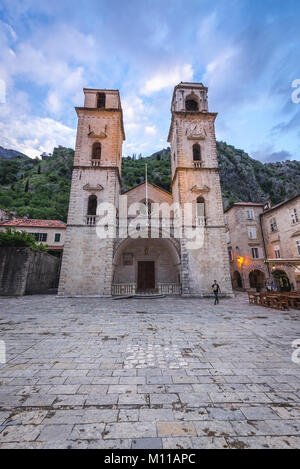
(96, 373)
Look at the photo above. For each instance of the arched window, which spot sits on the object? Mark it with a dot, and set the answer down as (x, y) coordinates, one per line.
(196, 152)
(92, 205)
(200, 207)
(191, 105)
(101, 100)
(96, 151)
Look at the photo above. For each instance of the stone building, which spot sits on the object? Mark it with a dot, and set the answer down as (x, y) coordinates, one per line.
(50, 232)
(97, 266)
(281, 230)
(264, 243)
(245, 245)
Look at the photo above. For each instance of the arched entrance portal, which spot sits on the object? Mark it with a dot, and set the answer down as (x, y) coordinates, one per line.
(257, 279)
(237, 280)
(282, 280)
(146, 266)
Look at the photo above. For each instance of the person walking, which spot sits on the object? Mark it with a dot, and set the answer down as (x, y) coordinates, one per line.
(216, 289)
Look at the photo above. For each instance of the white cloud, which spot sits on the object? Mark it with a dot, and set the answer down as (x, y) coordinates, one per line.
(56, 57)
(208, 26)
(139, 126)
(8, 29)
(53, 102)
(168, 78)
(150, 129)
(159, 34)
(220, 68)
(64, 81)
(33, 135)
(133, 108)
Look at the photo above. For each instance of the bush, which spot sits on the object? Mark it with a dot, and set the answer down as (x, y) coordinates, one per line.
(6, 201)
(13, 238)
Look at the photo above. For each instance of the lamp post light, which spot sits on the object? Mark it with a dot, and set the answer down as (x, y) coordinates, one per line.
(240, 261)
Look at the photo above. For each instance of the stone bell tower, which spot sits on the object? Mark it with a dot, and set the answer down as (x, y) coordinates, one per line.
(195, 179)
(87, 260)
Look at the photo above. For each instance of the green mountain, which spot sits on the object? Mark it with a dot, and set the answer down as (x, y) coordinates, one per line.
(158, 170)
(40, 189)
(4, 153)
(244, 179)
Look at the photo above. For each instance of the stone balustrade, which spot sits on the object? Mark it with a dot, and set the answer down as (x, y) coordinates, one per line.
(169, 288)
(119, 289)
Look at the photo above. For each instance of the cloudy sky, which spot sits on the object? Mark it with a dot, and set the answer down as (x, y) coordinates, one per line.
(246, 51)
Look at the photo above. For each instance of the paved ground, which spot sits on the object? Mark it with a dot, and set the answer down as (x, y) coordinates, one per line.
(168, 373)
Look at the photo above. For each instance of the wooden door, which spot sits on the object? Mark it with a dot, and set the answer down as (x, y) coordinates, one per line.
(146, 275)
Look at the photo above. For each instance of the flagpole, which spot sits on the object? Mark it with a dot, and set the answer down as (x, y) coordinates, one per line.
(146, 180)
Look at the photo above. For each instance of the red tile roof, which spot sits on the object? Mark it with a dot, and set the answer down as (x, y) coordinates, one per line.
(32, 222)
(282, 203)
(256, 204)
(244, 204)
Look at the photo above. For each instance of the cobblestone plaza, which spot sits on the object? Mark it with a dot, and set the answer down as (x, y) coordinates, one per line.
(136, 373)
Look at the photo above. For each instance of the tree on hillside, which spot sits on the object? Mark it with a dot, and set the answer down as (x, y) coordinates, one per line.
(13, 238)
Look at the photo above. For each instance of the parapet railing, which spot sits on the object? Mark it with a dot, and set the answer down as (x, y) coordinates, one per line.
(119, 289)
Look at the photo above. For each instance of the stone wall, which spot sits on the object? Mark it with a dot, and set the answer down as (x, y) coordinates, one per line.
(87, 263)
(23, 271)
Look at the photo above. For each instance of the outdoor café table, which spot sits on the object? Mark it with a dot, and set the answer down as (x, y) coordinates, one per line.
(293, 299)
(283, 301)
(273, 300)
(256, 298)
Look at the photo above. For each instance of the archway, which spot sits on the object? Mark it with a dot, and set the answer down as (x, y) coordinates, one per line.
(150, 265)
(282, 280)
(257, 279)
(237, 280)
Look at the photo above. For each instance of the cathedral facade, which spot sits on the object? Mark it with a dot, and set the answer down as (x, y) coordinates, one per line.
(156, 260)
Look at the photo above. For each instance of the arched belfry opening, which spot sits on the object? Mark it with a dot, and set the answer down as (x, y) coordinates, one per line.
(196, 152)
(191, 103)
(101, 100)
(92, 205)
(96, 151)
